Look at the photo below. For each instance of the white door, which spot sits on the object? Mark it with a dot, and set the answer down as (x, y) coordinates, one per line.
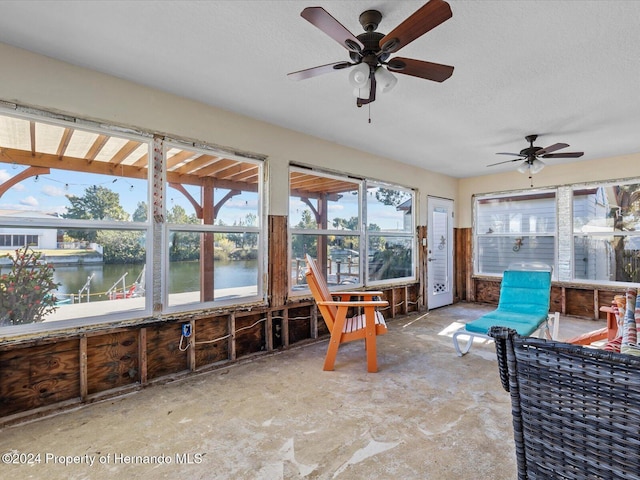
(439, 252)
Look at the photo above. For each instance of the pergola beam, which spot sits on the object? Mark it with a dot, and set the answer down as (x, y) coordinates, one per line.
(29, 172)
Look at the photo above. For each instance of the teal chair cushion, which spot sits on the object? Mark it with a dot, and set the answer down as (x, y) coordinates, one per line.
(523, 323)
(523, 305)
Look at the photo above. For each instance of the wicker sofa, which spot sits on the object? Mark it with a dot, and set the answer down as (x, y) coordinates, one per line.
(576, 410)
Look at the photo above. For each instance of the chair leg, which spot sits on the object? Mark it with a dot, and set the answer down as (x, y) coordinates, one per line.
(370, 340)
(332, 351)
(334, 341)
(467, 347)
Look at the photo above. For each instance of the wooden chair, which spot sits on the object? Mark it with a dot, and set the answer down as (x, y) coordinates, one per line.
(343, 329)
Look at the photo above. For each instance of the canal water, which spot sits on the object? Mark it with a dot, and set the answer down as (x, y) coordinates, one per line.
(183, 276)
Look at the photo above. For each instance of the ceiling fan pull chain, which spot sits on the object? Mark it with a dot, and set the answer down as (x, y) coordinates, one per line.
(369, 113)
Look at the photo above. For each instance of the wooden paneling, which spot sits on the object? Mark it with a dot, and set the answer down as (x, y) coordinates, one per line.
(299, 321)
(300, 318)
(463, 264)
(579, 302)
(487, 291)
(112, 361)
(39, 376)
(556, 302)
(206, 330)
(163, 355)
(278, 264)
(250, 334)
(422, 267)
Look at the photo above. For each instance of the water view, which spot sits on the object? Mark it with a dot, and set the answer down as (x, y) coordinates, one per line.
(184, 277)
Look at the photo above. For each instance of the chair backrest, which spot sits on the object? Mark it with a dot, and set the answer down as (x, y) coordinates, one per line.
(529, 266)
(320, 290)
(525, 291)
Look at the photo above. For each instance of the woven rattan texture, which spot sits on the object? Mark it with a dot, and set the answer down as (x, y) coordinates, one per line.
(576, 410)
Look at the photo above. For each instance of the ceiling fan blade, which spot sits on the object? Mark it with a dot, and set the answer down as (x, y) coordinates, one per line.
(315, 71)
(506, 161)
(421, 69)
(321, 19)
(564, 155)
(551, 148)
(427, 17)
(507, 153)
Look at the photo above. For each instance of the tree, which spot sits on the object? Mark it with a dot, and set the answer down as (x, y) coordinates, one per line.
(184, 245)
(26, 292)
(245, 240)
(140, 215)
(122, 246)
(97, 203)
(177, 214)
(301, 244)
(389, 196)
(351, 224)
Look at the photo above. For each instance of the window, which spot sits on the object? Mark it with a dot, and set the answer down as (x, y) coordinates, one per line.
(606, 232)
(514, 229)
(76, 202)
(324, 218)
(214, 218)
(328, 215)
(77, 199)
(390, 233)
(18, 240)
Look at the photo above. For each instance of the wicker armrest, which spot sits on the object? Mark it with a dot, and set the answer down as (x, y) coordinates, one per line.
(500, 335)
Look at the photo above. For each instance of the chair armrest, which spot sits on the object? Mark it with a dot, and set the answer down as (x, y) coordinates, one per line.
(371, 303)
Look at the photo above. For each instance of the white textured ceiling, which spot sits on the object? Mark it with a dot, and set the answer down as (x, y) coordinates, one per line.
(566, 70)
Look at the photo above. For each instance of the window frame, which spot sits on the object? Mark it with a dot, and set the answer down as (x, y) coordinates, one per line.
(477, 199)
(362, 233)
(260, 229)
(409, 234)
(27, 222)
(572, 189)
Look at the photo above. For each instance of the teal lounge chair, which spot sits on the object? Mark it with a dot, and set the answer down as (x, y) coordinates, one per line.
(523, 307)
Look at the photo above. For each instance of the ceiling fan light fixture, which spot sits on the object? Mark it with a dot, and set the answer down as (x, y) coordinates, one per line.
(524, 166)
(385, 80)
(536, 166)
(362, 92)
(359, 76)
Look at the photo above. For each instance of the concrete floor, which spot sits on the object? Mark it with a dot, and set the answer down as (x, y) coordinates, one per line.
(427, 414)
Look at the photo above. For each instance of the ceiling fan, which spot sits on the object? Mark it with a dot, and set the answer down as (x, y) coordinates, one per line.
(370, 51)
(531, 154)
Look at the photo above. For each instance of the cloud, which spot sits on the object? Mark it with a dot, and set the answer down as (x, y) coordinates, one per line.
(30, 201)
(51, 191)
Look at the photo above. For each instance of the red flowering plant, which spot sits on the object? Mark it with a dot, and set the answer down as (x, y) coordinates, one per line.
(26, 292)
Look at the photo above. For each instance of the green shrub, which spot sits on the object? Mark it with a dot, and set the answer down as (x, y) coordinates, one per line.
(26, 292)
